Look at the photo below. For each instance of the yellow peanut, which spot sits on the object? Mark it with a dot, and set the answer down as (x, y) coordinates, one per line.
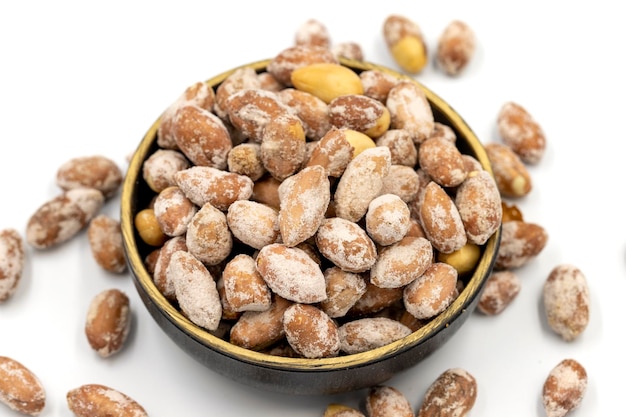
(359, 141)
(148, 228)
(326, 80)
(410, 54)
(464, 260)
(381, 126)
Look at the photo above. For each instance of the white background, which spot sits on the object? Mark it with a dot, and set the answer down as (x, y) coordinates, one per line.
(78, 78)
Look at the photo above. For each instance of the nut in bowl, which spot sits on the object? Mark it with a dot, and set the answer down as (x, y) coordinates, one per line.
(255, 275)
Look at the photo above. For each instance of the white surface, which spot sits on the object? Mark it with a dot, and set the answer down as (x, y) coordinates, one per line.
(80, 79)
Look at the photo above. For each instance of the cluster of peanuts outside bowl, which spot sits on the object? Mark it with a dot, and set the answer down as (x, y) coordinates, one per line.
(298, 374)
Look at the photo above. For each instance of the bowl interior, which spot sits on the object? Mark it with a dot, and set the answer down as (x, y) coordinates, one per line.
(136, 194)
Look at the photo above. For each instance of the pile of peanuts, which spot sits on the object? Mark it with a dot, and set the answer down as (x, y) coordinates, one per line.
(311, 211)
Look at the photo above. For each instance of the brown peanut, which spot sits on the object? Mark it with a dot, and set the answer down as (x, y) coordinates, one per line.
(12, 260)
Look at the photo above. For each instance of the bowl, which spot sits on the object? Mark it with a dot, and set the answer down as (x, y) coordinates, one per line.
(300, 376)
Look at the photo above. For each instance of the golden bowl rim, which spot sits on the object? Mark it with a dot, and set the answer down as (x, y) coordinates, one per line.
(143, 278)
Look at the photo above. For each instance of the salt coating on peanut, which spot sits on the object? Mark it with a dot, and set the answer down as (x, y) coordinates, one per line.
(195, 290)
(12, 259)
(566, 301)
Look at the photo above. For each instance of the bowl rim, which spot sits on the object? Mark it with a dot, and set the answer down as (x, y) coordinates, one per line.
(434, 326)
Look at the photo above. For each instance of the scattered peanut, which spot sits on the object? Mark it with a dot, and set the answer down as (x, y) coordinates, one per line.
(566, 301)
(20, 389)
(564, 388)
(406, 43)
(108, 322)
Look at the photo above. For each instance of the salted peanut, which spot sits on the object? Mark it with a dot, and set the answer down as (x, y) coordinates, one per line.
(511, 212)
(510, 173)
(361, 113)
(441, 220)
(442, 161)
(480, 206)
(375, 300)
(326, 80)
(199, 94)
(443, 131)
(95, 171)
(195, 290)
(401, 263)
(350, 50)
(401, 146)
(333, 152)
(387, 219)
(455, 47)
(384, 401)
(346, 244)
(108, 322)
(304, 199)
(201, 136)
(269, 82)
(291, 273)
(471, 163)
(464, 260)
(12, 260)
(228, 312)
(312, 111)
(240, 79)
(343, 289)
(173, 211)
(310, 249)
(283, 145)
(208, 236)
(500, 290)
(416, 229)
(406, 43)
(20, 389)
(254, 224)
(160, 167)
(149, 261)
(520, 242)
(361, 182)
(250, 110)
(204, 185)
(566, 301)
(105, 240)
(148, 227)
(256, 330)
(159, 274)
(377, 83)
(265, 191)
(401, 181)
(365, 334)
(245, 159)
(432, 292)
(313, 32)
(410, 321)
(564, 388)
(340, 410)
(453, 393)
(244, 287)
(95, 400)
(410, 110)
(310, 331)
(521, 132)
(62, 217)
(297, 56)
